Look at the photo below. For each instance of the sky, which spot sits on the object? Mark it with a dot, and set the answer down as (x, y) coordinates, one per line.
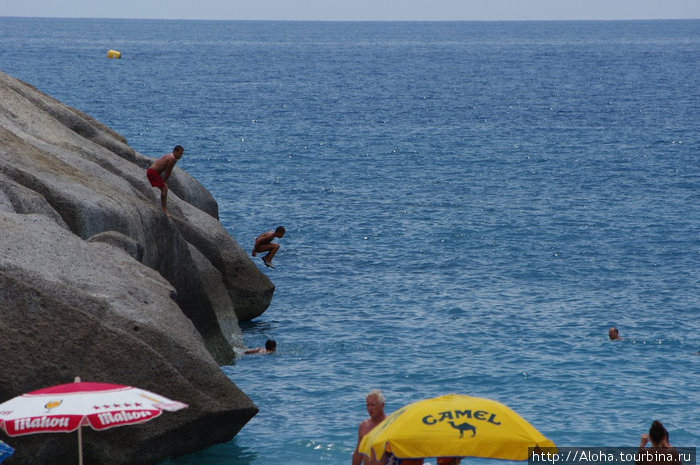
(358, 10)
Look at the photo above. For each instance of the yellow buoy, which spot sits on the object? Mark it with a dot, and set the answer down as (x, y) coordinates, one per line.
(113, 54)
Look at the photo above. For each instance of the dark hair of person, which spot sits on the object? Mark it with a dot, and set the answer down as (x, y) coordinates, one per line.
(657, 432)
(178, 148)
(280, 229)
(270, 344)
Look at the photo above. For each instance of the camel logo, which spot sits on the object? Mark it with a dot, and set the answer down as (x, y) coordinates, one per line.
(451, 416)
(462, 427)
(52, 404)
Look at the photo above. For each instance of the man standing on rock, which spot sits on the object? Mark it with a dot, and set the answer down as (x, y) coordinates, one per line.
(159, 172)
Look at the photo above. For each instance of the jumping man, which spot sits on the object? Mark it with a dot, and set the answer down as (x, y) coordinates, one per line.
(263, 243)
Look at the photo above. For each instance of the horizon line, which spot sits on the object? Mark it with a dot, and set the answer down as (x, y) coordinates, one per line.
(356, 20)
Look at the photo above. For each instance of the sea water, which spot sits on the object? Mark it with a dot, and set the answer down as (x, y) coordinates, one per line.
(469, 207)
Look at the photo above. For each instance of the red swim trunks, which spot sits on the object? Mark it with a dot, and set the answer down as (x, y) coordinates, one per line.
(154, 177)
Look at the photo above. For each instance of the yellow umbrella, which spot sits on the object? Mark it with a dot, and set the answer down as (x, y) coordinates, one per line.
(454, 426)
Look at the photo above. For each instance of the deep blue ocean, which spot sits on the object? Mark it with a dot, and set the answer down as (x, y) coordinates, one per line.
(469, 207)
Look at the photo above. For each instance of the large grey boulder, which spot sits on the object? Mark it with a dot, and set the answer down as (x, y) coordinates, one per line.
(96, 282)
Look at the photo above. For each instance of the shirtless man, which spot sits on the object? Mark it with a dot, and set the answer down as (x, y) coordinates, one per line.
(159, 172)
(614, 334)
(270, 346)
(263, 243)
(375, 408)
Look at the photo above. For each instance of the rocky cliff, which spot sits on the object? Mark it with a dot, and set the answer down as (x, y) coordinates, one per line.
(96, 282)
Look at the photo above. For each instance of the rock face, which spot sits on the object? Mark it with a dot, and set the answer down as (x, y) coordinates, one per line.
(96, 282)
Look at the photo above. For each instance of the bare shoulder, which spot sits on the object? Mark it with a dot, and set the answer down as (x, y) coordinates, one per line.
(267, 235)
(366, 426)
(257, 350)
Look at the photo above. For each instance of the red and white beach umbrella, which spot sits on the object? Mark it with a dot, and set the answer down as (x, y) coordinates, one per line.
(67, 407)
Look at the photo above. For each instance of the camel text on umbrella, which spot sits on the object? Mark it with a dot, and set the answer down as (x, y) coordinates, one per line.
(456, 414)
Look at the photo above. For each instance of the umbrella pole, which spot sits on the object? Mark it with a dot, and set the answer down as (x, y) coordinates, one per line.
(80, 445)
(80, 435)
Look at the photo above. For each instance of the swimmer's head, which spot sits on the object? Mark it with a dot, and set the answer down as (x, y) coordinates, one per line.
(270, 345)
(657, 432)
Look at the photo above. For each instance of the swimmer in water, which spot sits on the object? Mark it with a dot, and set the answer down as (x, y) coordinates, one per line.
(614, 334)
(270, 346)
